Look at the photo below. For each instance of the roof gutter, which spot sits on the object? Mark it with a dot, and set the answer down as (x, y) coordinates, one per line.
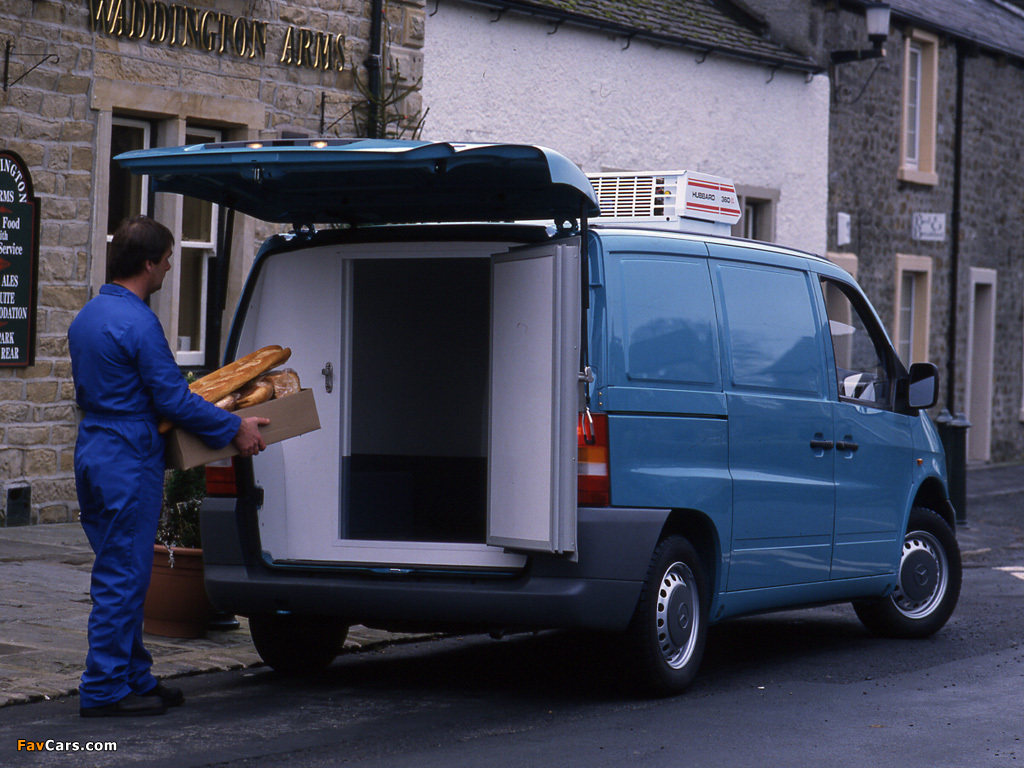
(634, 33)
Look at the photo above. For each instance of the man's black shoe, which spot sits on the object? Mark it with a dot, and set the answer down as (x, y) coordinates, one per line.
(171, 697)
(130, 706)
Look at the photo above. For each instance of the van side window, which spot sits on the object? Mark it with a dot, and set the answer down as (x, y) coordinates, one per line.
(774, 340)
(863, 370)
(670, 321)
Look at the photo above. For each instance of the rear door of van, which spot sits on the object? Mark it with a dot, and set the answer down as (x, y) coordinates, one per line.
(304, 298)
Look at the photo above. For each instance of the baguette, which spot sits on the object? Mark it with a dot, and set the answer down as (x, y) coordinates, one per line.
(232, 376)
(214, 386)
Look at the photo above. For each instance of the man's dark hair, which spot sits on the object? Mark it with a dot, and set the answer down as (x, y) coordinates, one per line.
(138, 240)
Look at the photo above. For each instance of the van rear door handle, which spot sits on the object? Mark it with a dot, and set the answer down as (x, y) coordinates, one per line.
(844, 445)
(822, 445)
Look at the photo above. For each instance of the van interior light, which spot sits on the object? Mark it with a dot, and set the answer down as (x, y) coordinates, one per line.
(320, 144)
(254, 145)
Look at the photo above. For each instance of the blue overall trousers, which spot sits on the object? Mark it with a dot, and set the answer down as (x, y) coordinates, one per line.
(125, 380)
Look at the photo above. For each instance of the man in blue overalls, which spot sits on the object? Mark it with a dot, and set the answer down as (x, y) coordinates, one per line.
(125, 380)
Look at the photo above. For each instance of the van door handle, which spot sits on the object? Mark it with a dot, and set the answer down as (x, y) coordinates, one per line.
(822, 445)
(328, 373)
(843, 445)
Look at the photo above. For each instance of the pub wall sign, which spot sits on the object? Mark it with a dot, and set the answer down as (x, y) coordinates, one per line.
(182, 26)
(19, 262)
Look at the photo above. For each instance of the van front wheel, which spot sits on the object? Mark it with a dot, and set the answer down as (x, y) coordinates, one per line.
(928, 586)
(297, 645)
(669, 629)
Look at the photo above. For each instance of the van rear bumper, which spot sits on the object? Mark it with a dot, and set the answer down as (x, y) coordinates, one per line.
(527, 602)
(598, 590)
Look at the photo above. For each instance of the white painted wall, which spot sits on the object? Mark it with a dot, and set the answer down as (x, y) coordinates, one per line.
(640, 108)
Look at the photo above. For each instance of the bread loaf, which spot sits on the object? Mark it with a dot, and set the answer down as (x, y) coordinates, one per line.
(255, 392)
(217, 385)
(286, 382)
(228, 402)
(232, 376)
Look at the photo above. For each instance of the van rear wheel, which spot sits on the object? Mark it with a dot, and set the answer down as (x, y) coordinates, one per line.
(297, 645)
(667, 635)
(928, 585)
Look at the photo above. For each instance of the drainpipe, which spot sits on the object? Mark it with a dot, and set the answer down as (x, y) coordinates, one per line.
(217, 288)
(953, 429)
(373, 66)
(954, 259)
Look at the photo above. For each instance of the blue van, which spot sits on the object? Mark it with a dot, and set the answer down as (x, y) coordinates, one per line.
(634, 426)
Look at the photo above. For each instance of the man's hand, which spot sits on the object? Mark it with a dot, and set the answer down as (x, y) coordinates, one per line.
(249, 441)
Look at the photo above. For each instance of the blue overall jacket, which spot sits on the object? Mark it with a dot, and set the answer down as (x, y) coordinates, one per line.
(125, 380)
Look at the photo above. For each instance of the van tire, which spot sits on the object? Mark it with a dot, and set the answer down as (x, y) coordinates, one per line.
(297, 645)
(930, 555)
(666, 654)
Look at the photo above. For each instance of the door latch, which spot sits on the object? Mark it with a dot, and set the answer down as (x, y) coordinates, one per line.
(328, 372)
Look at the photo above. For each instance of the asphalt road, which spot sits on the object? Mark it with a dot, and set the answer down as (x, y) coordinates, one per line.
(802, 688)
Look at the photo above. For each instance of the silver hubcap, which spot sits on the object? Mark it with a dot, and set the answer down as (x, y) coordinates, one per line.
(678, 615)
(924, 574)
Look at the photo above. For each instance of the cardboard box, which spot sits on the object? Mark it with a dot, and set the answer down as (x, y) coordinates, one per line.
(289, 416)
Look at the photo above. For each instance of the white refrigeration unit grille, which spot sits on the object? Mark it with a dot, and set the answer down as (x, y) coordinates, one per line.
(682, 200)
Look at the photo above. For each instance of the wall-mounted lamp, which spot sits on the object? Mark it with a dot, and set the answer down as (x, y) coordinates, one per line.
(877, 17)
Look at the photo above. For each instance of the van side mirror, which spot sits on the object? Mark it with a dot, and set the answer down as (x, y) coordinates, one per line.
(923, 385)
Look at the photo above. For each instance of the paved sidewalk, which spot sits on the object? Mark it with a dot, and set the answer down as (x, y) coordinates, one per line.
(44, 607)
(44, 597)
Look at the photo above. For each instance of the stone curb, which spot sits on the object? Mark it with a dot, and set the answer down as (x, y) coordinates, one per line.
(241, 655)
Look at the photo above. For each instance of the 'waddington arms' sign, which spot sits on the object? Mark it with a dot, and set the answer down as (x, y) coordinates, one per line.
(19, 262)
(181, 26)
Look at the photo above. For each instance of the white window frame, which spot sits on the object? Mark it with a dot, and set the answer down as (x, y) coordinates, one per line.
(919, 269)
(912, 120)
(196, 357)
(147, 129)
(918, 127)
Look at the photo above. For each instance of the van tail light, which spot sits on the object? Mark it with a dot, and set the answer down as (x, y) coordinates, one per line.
(593, 486)
(220, 478)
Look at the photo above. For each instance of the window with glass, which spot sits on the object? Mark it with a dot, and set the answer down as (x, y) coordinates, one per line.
(913, 107)
(198, 243)
(863, 366)
(128, 192)
(920, 94)
(912, 307)
(128, 196)
(905, 343)
(758, 220)
(773, 336)
(669, 314)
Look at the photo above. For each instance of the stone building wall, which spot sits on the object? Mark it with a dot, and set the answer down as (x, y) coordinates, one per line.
(993, 233)
(57, 119)
(864, 159)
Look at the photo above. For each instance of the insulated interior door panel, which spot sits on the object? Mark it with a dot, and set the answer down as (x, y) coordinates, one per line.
(535, 324)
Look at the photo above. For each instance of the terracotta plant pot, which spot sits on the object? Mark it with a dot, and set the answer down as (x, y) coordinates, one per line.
(176, 604)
